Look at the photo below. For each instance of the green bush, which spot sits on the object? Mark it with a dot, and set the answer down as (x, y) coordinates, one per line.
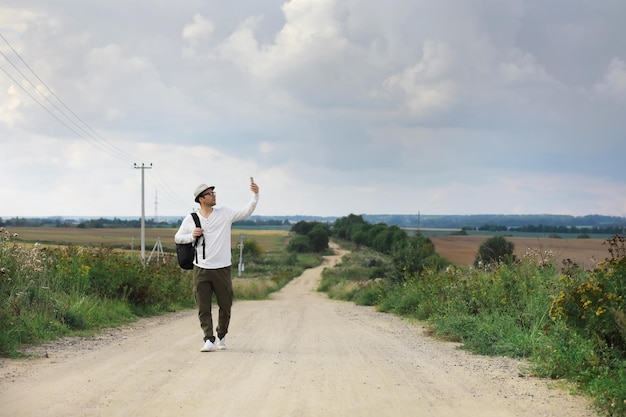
(300, 243)
(369, 295)
(595, 302)
(495, 250)
(310, 237)
(251, 249)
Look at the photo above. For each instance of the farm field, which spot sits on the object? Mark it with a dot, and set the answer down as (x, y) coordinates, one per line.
(457, 249)
(130, 238)
(462, 250)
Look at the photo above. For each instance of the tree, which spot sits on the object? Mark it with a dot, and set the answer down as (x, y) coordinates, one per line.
(359, 238)
(319, 237)
(251, 248)
(303, 227)
(344, 227)
(300, 244)
(496, 249)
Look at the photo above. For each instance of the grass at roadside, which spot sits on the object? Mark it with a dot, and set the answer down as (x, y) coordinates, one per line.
(569, 325)
(270, 272)
(49, 291)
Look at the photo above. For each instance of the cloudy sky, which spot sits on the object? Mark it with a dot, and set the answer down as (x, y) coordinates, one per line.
(334, 106)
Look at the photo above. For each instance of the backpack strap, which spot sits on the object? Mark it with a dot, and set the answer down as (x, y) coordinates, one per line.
(196, 220)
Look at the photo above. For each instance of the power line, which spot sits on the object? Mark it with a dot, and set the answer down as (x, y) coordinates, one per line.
(97, 141)
(54, 94)
(171, 195)
(86, 133)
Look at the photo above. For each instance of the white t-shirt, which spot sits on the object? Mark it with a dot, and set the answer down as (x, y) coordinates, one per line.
(214, 247)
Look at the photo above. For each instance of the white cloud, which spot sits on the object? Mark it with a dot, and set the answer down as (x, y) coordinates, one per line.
(241, 47)
(614, 83)
(9, 106)
(201, 29)
(334, 106)
(427, 86)
(521, 67)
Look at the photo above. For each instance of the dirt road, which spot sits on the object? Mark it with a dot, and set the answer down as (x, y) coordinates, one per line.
(298, 354)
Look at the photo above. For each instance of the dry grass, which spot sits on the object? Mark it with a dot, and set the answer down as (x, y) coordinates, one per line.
(268, 240)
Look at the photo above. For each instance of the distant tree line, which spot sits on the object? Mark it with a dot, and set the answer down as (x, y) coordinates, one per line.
(84, 224)
(115, 222)
(36, 222)
(487, 222)
(447, 221)
(261, 222)
(544, 228)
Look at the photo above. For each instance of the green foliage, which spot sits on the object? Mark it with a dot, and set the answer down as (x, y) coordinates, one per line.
(271, 272)
(319, 237)
(347, 227)
(594, 302)
(413, 255)
(410, 255)
(495, 250)
(357, 278)
(310, 237)
(300, 243)
(46, 293)
(589, 315)
(251, 249)
(379, 237)
(570, 325)
(489, 334)
(303, 227)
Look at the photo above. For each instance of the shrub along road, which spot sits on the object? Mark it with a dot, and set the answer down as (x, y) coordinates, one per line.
(299, 354)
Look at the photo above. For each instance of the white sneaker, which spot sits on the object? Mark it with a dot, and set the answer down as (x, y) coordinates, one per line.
(221, 343)
(208, 347)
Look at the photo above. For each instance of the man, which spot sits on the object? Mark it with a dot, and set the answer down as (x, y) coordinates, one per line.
(212, 264)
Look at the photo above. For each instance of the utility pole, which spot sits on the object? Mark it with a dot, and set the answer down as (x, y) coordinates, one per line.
(143, 210)
(419, 221)
(156, 207)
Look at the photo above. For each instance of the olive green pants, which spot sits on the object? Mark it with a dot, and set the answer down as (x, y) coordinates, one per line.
(206, 283)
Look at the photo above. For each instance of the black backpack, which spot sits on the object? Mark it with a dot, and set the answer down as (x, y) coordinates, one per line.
(186, 252)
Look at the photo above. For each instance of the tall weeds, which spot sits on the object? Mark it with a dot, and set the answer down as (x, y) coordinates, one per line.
(568, 322)
(47, 292)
